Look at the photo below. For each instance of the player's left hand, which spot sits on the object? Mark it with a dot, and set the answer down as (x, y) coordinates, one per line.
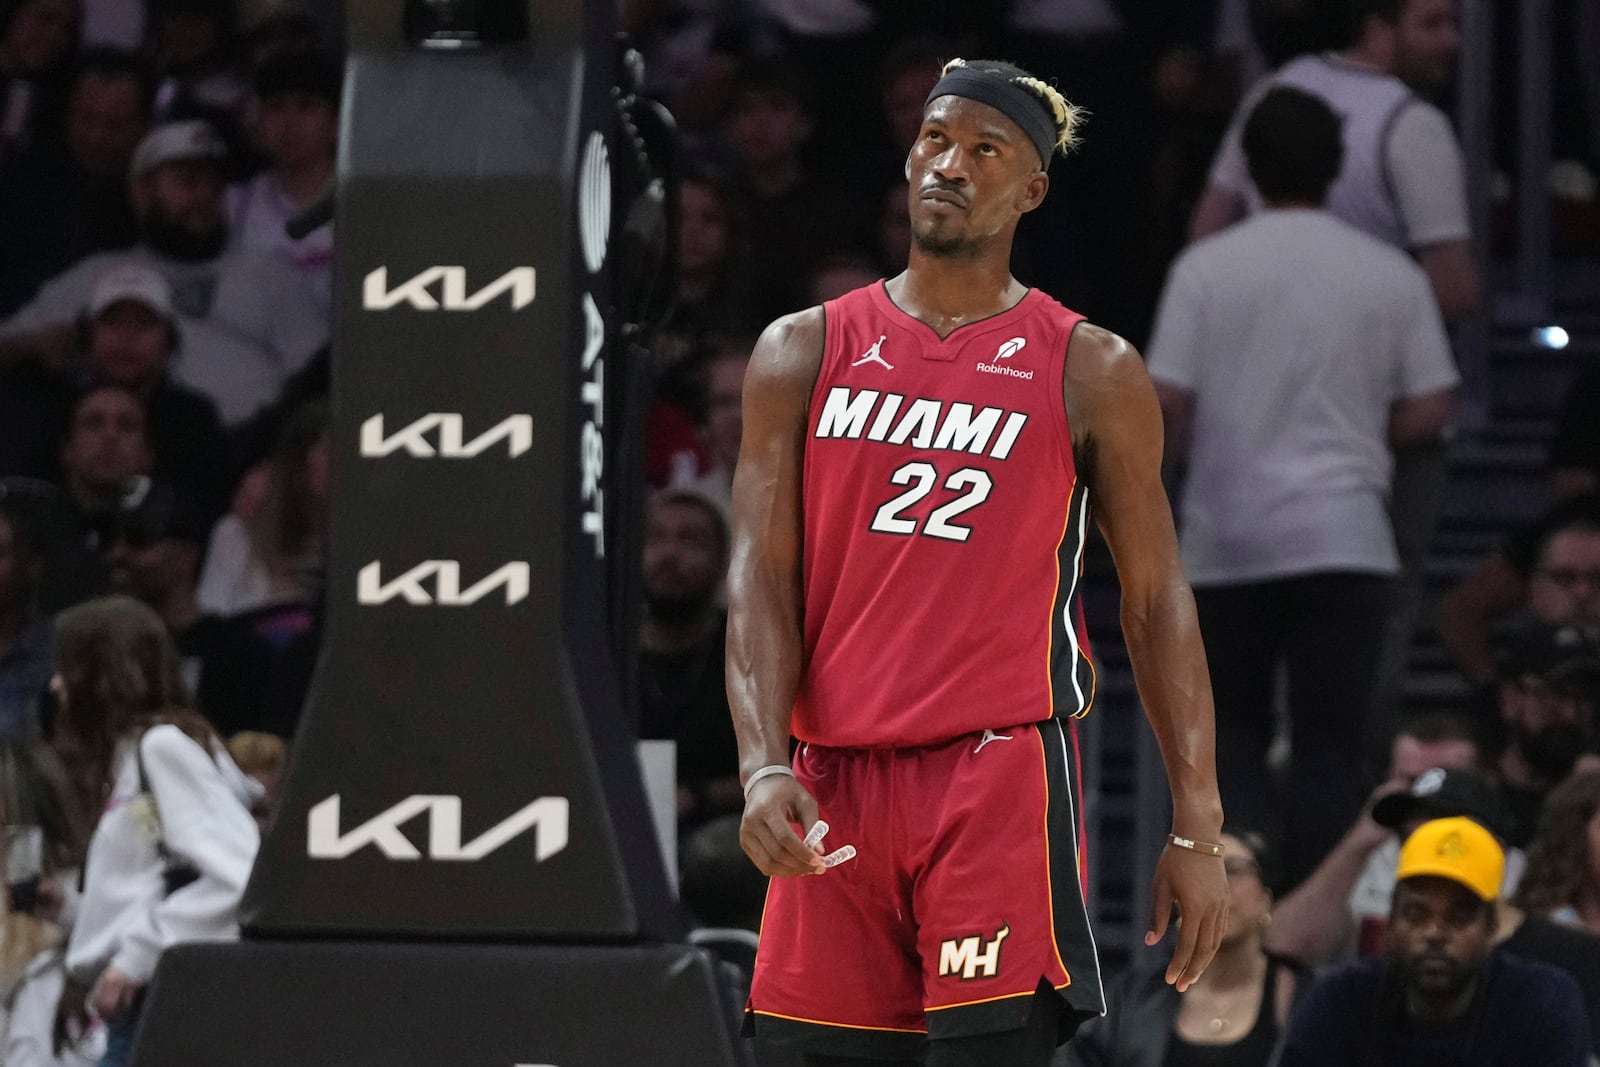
(1198, 885)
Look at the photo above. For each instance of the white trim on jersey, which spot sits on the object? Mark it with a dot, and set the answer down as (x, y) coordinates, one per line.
(1069, 623)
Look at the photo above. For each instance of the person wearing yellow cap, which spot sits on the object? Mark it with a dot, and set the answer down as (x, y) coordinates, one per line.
(1439, 997)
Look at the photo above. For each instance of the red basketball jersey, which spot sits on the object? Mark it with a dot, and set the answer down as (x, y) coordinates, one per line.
(944, 528)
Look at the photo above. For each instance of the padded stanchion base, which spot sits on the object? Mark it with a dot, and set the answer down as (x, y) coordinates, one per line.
(364, 1004)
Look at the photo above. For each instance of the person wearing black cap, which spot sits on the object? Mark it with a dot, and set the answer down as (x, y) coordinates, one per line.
(156, 543)
(294, 121)
(910, 512)
(1436, 794)
(1442, 793)
(1548, 689)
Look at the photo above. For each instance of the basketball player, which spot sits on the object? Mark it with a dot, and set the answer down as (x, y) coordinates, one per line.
(910, 507)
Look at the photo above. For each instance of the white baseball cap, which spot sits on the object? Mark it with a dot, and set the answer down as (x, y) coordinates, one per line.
(173, 141)
(131, 281)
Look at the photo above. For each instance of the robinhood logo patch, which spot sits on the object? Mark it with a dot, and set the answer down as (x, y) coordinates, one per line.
(1006, 351)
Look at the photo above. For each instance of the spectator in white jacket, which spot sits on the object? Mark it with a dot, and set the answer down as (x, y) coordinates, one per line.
(169, 858)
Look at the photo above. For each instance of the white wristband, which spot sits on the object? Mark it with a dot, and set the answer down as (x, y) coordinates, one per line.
(765, 772)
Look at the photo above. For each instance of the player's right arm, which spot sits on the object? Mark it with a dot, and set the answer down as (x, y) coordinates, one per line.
(766, 639)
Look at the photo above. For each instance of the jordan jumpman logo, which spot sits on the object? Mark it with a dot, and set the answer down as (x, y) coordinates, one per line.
(989, 735)
(872, 356)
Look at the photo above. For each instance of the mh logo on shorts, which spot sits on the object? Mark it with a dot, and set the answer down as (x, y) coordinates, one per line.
(962, 957)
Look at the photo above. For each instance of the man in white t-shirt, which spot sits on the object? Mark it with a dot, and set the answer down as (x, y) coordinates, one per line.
(1403, 179)
(1290, 353)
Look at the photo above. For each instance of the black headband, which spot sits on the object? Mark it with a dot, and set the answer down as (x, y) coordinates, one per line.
(1022, 106)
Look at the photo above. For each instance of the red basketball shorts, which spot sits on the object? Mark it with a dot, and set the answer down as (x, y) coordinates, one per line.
(965, 894)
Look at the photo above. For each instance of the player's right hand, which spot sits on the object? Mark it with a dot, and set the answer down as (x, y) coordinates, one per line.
(775, 806)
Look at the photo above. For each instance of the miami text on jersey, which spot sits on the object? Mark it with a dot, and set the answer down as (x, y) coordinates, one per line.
(955, 426)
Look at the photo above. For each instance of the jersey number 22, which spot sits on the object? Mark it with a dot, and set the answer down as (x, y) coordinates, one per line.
(922, 477)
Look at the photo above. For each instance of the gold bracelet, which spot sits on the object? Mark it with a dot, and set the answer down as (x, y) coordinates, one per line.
(1205, 848)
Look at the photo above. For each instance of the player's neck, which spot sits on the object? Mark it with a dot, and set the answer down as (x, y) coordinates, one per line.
(949, 293)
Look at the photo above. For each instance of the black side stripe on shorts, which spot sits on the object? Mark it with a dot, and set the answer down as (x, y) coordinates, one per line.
(1074, 938)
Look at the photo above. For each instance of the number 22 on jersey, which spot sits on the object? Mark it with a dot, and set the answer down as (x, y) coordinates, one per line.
(971, 485)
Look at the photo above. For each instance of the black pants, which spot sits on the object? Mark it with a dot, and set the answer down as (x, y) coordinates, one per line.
(1033, 1045)
(1327, 631)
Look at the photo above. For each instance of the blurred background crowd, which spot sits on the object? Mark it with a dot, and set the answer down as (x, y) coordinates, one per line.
(1399, 578)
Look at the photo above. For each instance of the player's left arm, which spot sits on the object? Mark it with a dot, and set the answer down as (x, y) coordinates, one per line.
(1117, 437)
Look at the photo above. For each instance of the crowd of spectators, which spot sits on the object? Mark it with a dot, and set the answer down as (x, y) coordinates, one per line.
(164, 450)
(163, 481)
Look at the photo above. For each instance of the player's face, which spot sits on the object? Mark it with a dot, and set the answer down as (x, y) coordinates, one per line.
(1439, 934)
(973, 173)
(1428, 38)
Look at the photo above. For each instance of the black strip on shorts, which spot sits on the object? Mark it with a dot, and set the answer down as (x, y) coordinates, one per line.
(835, 1040)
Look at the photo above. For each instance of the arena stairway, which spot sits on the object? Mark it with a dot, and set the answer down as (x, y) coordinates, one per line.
(1498, 477)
